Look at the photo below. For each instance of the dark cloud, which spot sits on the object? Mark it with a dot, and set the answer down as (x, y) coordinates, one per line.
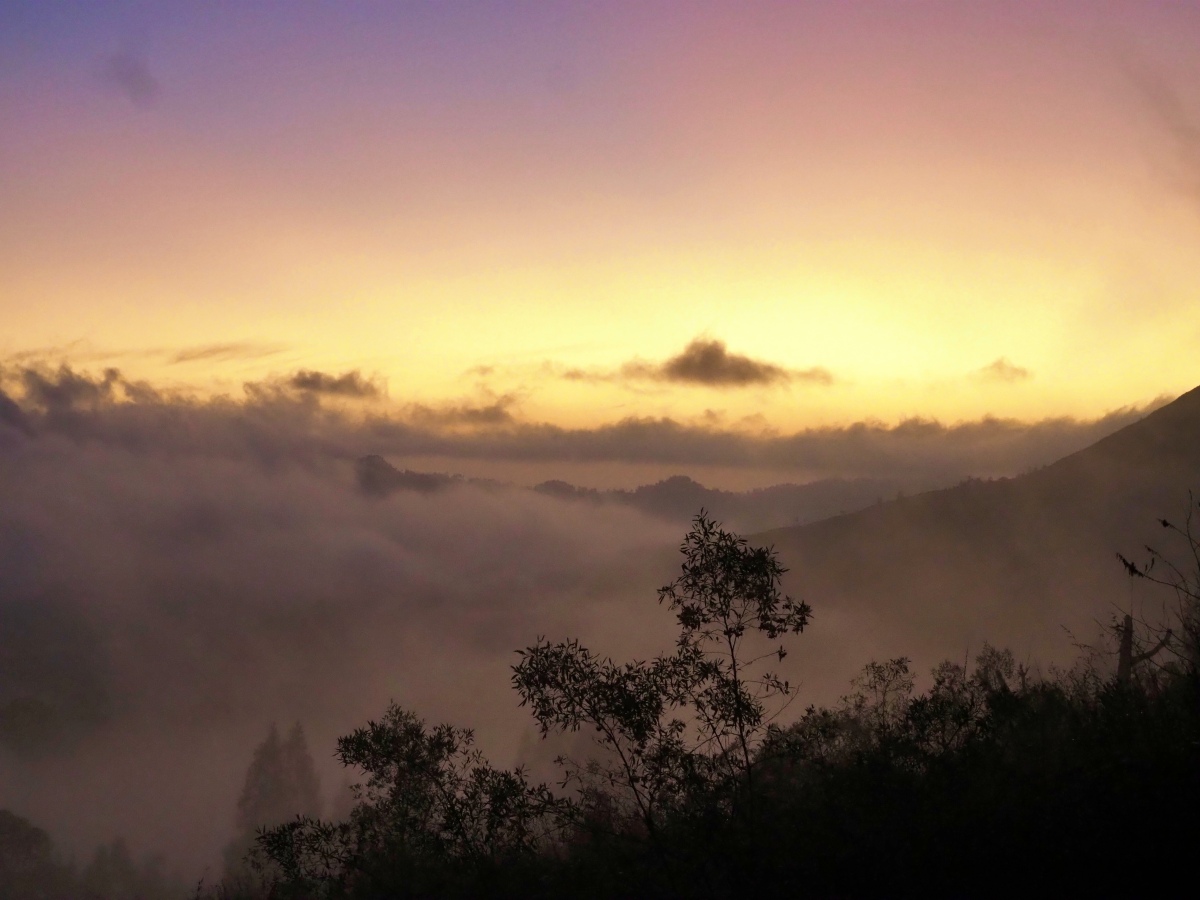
(229, 351)
(67, 389)
(348, 384)
(1003, 370)
(11, 414)
(496, 412)
(706, 363)
(130, 74)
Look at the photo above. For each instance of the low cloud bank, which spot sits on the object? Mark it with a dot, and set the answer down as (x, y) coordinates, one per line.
(163, 600)
(289, 420)
(918, 449)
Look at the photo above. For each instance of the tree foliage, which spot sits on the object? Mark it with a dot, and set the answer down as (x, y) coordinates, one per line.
(432, 812)
(1177, 629)
(682, 728)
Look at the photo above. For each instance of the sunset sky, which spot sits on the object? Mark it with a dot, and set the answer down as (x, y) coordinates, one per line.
(854, 251)
(752, 216)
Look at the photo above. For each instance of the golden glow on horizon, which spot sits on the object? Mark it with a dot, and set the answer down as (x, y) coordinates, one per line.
(899, 218)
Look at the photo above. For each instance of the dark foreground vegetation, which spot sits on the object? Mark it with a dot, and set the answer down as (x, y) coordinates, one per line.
(994, 780)
(31, 869)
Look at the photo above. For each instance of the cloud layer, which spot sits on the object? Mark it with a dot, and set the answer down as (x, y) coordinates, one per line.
(286, 419)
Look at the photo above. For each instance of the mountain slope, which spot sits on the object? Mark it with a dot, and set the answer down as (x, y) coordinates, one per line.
(1013, 561)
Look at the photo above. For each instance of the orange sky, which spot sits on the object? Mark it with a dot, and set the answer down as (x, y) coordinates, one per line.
(474, 201)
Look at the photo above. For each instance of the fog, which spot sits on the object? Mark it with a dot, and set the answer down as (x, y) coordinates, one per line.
(164, 613)
(160, 607)
(177, 574)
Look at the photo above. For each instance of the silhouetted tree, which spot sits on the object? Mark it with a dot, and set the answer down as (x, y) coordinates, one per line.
(681, 728)
(281, 784)
(1126, 657)
(431, 819)
(1180, 632)
(29, 868)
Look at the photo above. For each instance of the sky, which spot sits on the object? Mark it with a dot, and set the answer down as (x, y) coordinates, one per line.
(742, 218)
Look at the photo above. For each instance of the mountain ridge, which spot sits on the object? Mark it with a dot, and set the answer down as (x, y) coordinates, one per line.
(676, 499)
(1027, 561)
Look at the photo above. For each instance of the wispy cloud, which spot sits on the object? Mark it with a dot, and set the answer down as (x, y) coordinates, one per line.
(1003, 370)
(129, 73)
(228, 351)
(77, 352)
(1181, 123)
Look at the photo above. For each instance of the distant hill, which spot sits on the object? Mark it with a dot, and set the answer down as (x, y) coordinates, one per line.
(1011, 561)
(378, 477)
(679, 498)
(676, 499)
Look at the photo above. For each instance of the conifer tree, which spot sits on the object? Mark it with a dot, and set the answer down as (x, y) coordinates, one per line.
(281, 784)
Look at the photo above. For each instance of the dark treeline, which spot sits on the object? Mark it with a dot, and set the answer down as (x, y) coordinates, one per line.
(31, 868)
(994, 779)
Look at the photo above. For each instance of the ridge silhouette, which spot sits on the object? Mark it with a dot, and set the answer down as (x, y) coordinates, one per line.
(1014, 560)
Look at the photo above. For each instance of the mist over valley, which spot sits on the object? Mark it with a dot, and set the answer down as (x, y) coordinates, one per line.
(177, 575)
